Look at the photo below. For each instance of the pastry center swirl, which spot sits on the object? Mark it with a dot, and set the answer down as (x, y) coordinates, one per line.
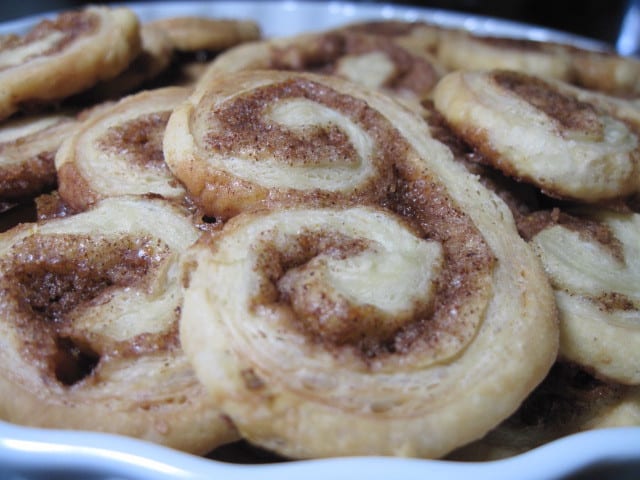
(46, 38)
(320, 277)
(296, 134)
(53, 280)
(138, 141)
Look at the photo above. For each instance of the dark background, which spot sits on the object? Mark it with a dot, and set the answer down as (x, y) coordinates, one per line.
(600, 20)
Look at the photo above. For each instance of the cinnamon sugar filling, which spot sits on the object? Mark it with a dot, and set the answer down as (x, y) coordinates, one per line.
(139, 141)
(47, 279)
(569, 112)
(62, 31)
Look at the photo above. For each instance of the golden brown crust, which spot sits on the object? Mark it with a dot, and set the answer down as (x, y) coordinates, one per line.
(66, 55)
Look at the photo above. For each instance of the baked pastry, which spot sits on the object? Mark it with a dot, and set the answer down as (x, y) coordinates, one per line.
(154, 58)
(27, 148)
(66, 55)
(542, 133)
(190, 34)
(406, 327)
(463, 50)
(368, 59)
(117, 150)
(257, 139)
(89, 330)
(593, 262)
(606, 72)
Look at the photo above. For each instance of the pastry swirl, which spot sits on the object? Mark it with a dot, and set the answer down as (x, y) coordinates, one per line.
(90, 306)
(593, 263)
(65, 55)
(117, 150)
(543, 133)
(384, 328)
(256, 140)
(27, 149)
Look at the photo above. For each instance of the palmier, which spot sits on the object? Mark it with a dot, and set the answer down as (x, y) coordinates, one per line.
(27, 149)
(543, 133)
(191, 34)
(593, 261)
(117, 150)
(606, 72)
(406, 327)
(374, 61)
(462, 50)
(63, 56)
(154, 58)
(90, 306)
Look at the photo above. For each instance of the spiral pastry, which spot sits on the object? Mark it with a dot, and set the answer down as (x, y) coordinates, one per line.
(27, 149)
(606, 72)
(191, 34)
(408, 327)
(593, 261)
(90, 306)
(154, 58)
(462, 50)
(117, 150)
(258, 139)
(370, 60)
(66, 55)
(543, 133)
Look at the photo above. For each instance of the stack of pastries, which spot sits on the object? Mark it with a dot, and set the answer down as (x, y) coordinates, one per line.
(387, 238)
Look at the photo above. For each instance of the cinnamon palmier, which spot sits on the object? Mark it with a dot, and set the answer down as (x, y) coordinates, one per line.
(606, 72)
(89, 326)
(65, 55)
(593, 261)
(408, 327)
(463, 50)
(543, 133)
(154, 58)
(27, 149)
(190, 34)
(371, 60)
(256, 139)
(117, 150)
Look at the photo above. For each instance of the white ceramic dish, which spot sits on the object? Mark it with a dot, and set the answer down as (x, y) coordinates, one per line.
(27, 453)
